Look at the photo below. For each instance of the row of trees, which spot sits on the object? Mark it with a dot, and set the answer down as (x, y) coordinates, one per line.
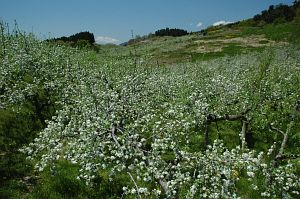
(81, 40)
(278, 12)
(87, 36)
(175, 32)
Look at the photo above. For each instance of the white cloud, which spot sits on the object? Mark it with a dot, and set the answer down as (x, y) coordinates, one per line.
(199, 24)
(106, 40)
(222, 22)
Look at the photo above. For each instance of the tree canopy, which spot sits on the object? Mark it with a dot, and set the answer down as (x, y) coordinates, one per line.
(175, 32)
(87, 36)
(278, 12)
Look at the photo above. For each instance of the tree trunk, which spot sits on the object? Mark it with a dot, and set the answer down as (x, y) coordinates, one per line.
(206, 137)
(284, 141)
(243, 134)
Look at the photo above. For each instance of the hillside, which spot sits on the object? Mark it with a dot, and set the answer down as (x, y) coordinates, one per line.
(213, 114)
(232, 39)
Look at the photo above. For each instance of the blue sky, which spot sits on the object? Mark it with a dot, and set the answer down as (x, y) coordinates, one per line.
(113, 20)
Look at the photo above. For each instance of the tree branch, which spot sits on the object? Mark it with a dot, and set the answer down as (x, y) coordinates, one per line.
(214, 118)
(276, 129)
(284, 141)
(113, 131)
(136, 187)
(163, 185)
(286, 133)
(161, 182)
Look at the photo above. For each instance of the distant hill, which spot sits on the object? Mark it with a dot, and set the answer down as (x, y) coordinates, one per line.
(275, 14)
(276, 26)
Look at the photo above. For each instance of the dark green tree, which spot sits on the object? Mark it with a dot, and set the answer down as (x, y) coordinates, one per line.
(280, 11)
(175, 32)
(87, 36)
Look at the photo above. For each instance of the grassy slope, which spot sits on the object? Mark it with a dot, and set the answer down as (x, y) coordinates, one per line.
(219, 41)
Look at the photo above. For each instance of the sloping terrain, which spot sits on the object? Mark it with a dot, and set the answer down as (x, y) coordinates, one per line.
(207, 115)
(218, 41)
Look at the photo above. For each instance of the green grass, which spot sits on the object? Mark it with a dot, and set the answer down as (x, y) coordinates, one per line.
(229, 50)
(288, 31)
(60, 184)
(245, 189)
